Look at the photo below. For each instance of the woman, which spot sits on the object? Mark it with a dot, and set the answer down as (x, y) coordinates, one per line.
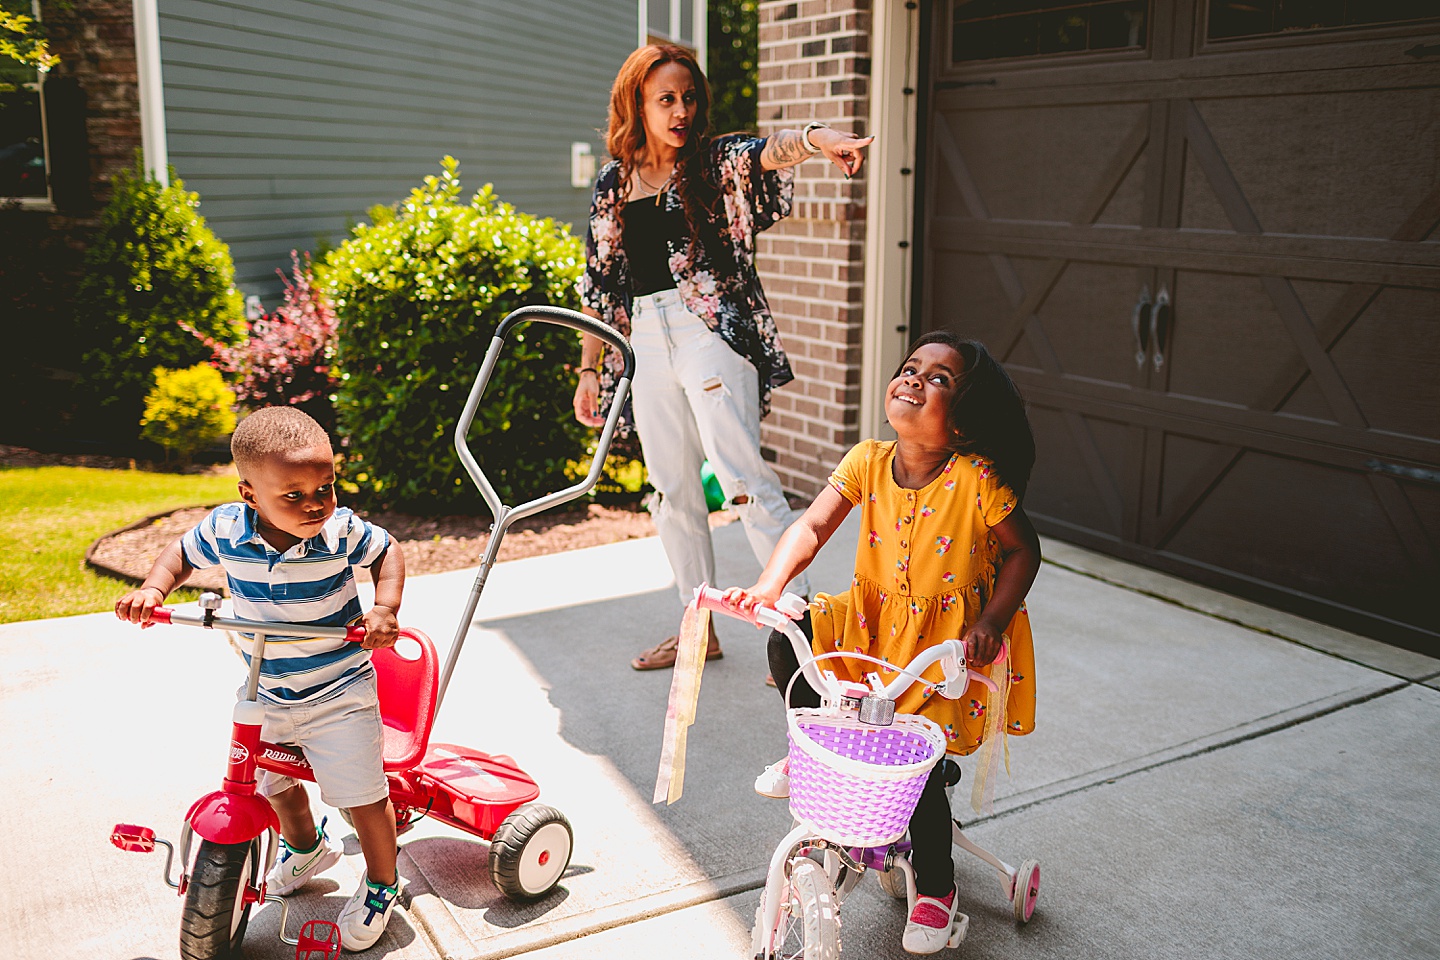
(670, 264)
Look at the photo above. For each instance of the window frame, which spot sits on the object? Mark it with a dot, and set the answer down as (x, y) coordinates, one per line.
(1058, 58)
(47, 202)
(673, 12)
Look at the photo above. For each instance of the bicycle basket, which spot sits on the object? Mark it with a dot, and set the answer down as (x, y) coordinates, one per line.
(858, 784)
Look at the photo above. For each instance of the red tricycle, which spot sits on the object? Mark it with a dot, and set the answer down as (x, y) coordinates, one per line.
(486, 795)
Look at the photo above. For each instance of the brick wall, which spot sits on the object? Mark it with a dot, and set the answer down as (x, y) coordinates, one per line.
(95, 40)
(815, 65)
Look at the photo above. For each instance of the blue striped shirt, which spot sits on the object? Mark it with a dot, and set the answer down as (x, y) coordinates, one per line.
(311, 583)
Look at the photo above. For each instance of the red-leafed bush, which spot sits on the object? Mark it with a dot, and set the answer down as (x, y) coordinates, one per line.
(287, 355)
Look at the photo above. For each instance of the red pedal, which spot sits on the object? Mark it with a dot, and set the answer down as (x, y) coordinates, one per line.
(132, 838)
(319, 940)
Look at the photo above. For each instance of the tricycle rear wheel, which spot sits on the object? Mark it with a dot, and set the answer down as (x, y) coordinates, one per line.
(213, 920)
(530, 851)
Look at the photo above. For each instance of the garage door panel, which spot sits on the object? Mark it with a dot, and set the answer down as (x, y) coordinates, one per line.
(1200, 208)
(972, 301)
(1282, 192)
(1327, 534)
(1361, 184)
(1094, 452)
(1191, 466)
(1307, 401)
(1126, 206)
(1040, 163)
(1087, 320)
(1388, 361)
(1228, 341)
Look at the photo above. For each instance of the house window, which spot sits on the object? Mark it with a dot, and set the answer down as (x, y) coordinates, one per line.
(24, 167)
(1232, 20)
(1007, 29)
(681, 22)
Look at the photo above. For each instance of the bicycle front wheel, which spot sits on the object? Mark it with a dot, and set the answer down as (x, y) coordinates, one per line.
(808, 925)
(215, 914)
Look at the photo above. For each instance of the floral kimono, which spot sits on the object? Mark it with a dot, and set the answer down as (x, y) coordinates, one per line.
(732, 305)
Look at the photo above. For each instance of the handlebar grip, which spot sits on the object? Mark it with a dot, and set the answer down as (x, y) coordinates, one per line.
(575, 321)
(160, 615)
(354, 634)
(709, 598)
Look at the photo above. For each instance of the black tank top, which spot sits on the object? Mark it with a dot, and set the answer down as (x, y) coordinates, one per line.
(646, 228)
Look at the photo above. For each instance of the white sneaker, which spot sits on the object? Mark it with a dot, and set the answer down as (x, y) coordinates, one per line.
(774, 780)
(365, 914)
(295, 869)
(930, 925)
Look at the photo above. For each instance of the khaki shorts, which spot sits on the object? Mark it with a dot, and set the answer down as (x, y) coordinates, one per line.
(343, 738)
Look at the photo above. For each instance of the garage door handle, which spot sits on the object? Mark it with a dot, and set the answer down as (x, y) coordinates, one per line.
(1160, 327)
(1140, 325)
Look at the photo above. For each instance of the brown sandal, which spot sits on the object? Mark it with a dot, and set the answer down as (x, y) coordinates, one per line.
(662, 655)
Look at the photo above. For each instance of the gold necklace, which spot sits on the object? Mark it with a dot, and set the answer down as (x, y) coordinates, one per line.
(650, 186)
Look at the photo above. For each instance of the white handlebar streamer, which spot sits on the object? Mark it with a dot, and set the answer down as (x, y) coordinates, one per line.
(684, 698)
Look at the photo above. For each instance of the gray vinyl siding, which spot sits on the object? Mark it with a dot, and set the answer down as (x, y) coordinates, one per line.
(292, 117)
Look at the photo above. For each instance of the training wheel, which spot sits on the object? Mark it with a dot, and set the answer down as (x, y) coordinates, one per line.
(892, 881)
(1027, 890)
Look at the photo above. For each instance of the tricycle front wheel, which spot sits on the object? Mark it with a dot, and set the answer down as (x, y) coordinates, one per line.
(213, 920)
(530, 851)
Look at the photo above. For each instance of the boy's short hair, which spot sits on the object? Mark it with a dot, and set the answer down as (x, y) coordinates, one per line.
(270, 431)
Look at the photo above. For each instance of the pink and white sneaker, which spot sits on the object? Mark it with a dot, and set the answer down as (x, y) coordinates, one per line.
(932, 925)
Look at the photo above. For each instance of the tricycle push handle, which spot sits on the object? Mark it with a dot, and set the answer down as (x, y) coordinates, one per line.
(566, 318)
(506, 515)
(575, 321)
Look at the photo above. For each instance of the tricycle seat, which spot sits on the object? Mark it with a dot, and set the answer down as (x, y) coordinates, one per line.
(407, 678)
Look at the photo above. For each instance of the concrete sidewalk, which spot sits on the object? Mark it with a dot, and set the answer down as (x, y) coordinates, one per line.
(1208, 778)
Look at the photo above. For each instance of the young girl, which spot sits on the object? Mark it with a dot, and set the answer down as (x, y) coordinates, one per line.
(944, 551)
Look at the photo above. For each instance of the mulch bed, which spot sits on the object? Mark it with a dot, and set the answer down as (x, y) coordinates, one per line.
(431, 544)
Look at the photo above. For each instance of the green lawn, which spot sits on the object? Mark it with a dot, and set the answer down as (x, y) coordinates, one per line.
(49, 516)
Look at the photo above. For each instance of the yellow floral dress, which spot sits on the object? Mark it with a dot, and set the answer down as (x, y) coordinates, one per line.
(925, 566)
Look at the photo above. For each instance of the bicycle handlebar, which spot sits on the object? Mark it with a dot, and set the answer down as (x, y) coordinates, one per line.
(950, 654)
(355, 634)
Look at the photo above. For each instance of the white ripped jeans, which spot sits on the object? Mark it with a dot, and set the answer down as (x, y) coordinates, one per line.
(697, 399)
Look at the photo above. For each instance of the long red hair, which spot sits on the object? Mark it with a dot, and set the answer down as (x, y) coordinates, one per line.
(625, 137)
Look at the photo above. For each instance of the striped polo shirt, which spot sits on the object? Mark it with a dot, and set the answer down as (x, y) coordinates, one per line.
(312, 583)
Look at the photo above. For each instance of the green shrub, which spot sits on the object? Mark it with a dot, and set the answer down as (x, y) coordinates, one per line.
(418, 293)
(187, 410)
(152, 265)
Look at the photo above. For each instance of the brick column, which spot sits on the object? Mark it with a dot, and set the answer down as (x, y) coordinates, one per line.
(814, 65)
(95, 40)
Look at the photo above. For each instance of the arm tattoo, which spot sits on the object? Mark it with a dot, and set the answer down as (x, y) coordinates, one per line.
(785, 148)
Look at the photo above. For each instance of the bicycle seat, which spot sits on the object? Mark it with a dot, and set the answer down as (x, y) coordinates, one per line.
(406, 680)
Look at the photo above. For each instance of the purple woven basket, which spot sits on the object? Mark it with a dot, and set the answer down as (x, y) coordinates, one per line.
(857, 784)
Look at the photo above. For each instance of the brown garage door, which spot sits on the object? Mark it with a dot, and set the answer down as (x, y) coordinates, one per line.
(1201, 234)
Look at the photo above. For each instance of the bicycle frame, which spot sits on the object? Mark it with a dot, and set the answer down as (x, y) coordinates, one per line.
(843, 698)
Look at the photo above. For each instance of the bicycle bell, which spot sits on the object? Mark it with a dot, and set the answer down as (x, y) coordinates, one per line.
(852, 695)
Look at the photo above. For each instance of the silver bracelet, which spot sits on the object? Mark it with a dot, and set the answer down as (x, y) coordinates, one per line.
(805, 134)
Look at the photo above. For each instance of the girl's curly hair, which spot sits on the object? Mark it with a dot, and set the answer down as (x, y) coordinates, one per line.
(987, 411)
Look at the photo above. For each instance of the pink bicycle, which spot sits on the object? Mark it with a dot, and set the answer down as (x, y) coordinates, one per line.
(856, 769)
(486, 795)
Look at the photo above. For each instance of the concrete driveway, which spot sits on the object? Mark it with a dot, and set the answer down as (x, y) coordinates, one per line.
(1208, 778)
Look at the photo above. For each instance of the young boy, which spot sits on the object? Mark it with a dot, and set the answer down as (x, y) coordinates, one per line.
(288, 555)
